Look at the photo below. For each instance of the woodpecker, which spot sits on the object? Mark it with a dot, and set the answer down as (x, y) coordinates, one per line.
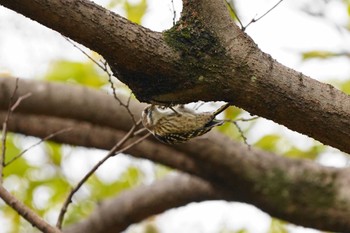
(179, 124)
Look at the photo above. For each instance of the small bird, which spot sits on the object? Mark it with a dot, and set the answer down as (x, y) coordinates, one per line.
(179, 124)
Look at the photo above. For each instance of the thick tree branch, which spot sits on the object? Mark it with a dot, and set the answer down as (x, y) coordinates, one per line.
(294, 190)
(262, 86)
(89, 135)
(57, 100)
(223, 63)
(116, 214)
(129, 48)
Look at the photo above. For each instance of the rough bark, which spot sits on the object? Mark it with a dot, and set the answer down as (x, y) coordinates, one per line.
(299, 191)
(204, 57)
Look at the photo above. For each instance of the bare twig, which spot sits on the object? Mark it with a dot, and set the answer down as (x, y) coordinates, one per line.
(35, 144)
(126, 106)
(104, 67)
(198, 105)
(4, 131)
(111, 153)
(26, 212)
(235, 122)
(85, 53)
(10, 109)
(19, 100)
(246, 119)
(254, 20)
(140, 131)
(174, 12)
(241, 133)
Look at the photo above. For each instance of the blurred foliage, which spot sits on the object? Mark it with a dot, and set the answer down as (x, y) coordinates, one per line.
(151, 227)
(228, 128)
(347, 4)
(238, 130)
(345, 86)
(30, 183)
(84, 73)
(232, 231)
(134, 11)
(99, 190)
(276, 143)
(320, 54)
(29, 180)
(277, 226)
(231, 6)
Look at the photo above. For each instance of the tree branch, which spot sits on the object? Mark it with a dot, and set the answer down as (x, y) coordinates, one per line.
(259, 84)
(26, 212)
(222, 64)
(79, 103)
(114, 37)
(132, 206)
(114, 151)
(89, 135)
(270, 182)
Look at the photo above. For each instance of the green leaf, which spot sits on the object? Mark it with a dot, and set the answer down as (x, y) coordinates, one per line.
(345, 87)
(232, 9)
(130, 178)
(54, 152)
(113, 3)
(135, 12)
(268, 142)
(11, 148)
(76, 72)
(318, 54)
(20, 168)
(311, 153)
(232, 112)
(277, 226)
(100, 190)
(232, 231)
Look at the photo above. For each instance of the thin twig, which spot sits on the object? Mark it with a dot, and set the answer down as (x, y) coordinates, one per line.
(35, 144)
(246, 119)
(242, 134)
(111, 153)
(4, 131)
(198, 105)
(235, 122)
(140, 131)
(85, 53)
(104, 67)
(126, 106)
(19, 100)
(254, 20)
(26, 212)
(10, 109)
(174, 12)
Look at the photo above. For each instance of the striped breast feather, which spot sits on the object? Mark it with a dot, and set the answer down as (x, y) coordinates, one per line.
(173, 138)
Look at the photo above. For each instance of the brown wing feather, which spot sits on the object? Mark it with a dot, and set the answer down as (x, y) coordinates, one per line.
(179, 128)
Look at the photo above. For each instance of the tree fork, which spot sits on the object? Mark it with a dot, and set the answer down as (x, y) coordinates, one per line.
(156, 71)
